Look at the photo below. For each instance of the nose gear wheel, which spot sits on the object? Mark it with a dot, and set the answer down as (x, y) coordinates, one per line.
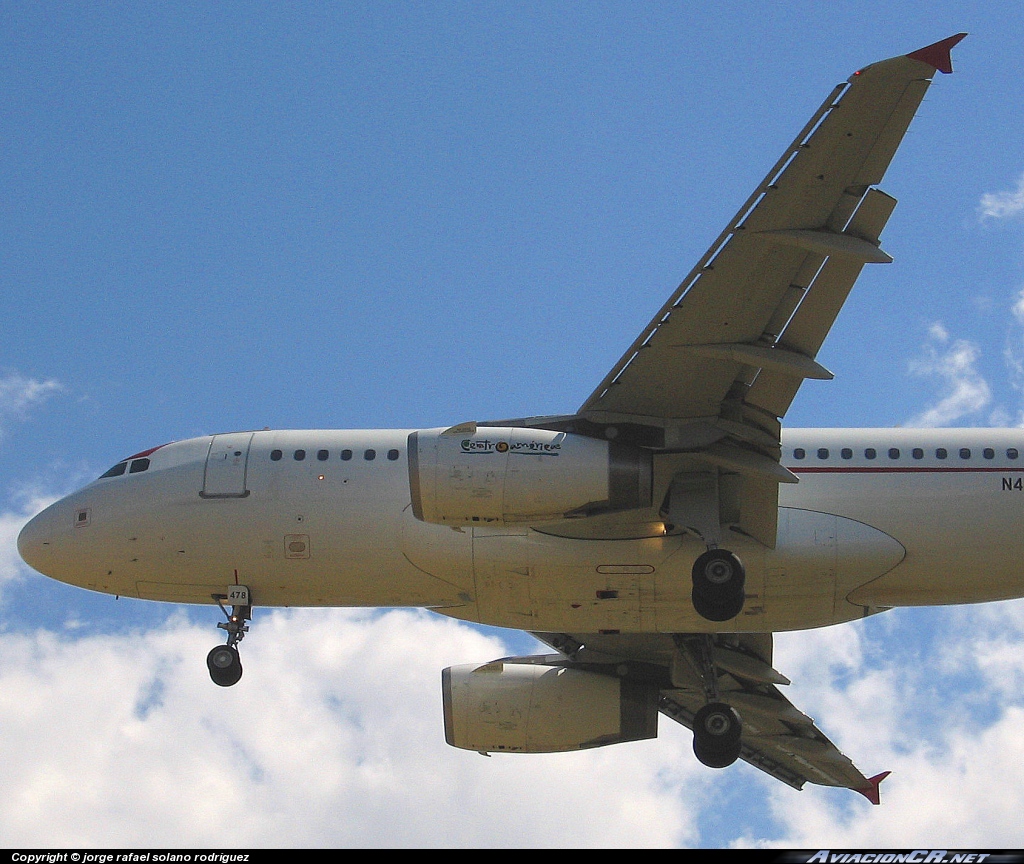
(225, 665)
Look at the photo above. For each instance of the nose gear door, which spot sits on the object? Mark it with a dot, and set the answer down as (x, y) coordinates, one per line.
(226, 466)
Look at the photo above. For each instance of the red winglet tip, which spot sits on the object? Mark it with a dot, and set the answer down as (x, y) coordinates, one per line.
(937, 55)
(871, 792)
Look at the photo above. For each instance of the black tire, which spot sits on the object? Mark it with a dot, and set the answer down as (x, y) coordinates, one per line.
(717, 611)
(225, 665)
(716, 757)
(719, 577)
(716, 735)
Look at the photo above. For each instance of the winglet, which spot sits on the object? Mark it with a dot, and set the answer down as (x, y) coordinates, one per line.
(871, 792)
(937, 55)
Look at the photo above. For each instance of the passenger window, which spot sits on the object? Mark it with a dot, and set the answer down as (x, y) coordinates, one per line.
(870, 453)
(1011, 453)
(917, 453)
(894, 452)
(988, 453)
(799, 453)
(138, 466)
(965, 452)
(300, 455)
(823, 452)
(370, 455)
(275, 455)
(392, 455)
(116, 471)
(941, 453)
(346, 455)
(846, 453)
(322, 455)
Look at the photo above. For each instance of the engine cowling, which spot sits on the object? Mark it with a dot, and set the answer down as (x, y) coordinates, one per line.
(526, 708)
(512, 475)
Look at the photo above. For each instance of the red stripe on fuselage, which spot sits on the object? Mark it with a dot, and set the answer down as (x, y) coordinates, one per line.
(866, 470)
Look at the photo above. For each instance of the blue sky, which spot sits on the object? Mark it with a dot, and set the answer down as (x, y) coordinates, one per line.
(230, 216)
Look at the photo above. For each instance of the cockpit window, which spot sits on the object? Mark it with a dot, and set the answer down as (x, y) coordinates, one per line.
(132, 466)
(116, 471)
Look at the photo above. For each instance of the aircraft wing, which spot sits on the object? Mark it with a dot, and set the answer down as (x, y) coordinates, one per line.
(742, 330)
(777, 738)
(718, 366)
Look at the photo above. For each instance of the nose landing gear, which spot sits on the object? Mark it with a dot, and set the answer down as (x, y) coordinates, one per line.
(223, 661)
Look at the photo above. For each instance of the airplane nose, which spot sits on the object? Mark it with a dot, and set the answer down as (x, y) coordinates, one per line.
(46, 542)
(37, 540)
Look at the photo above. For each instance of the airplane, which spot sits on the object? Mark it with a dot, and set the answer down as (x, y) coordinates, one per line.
(654, 539)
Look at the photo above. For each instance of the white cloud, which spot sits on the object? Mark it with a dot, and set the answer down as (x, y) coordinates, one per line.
(1012, 352)
(953, 364)
(19, 394)
(967, 792)
(333, 737)
(1017, 309)
(1003, 205)
(950, 732)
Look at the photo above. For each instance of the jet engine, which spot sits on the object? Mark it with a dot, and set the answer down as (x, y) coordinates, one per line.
(509, 475)
(526, 708)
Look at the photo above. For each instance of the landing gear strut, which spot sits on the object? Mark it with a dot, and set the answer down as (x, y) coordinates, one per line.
(718, 574)
(716, 727)
(223, 661)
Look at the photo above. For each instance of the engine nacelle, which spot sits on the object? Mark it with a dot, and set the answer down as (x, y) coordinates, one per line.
(509, 475)
(526, 708)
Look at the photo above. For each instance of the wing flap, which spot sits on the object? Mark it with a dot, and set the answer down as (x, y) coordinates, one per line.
(813, 318)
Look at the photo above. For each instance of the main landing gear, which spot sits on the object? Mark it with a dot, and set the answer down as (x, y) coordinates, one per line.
(718, 582)
(716, 735)
(718, 574)
(716, 727)
(223, 661)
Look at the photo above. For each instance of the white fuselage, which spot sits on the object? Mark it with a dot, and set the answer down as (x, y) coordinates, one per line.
(855, 535)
